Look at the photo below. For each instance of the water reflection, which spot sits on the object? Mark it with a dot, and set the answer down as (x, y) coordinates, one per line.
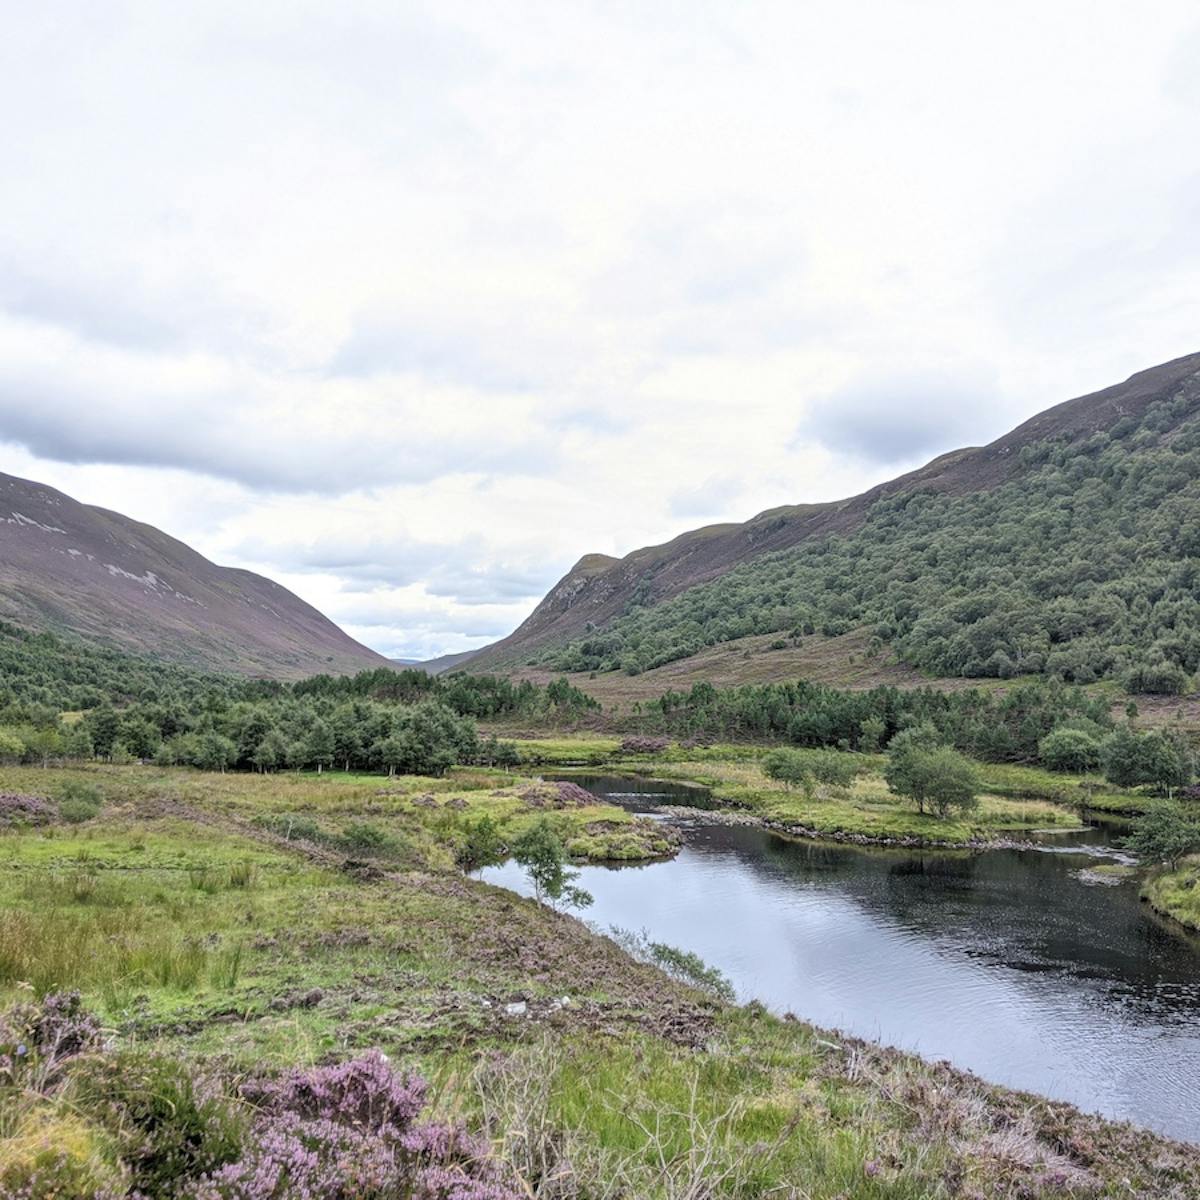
(1005, 962)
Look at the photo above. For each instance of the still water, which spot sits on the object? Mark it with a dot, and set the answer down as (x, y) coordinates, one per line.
(1006, 963)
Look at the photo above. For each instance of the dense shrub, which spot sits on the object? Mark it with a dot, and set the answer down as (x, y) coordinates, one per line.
(1068, 749)
(643, 745)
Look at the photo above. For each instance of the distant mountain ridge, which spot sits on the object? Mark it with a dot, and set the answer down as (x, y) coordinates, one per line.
(77, 569)
(606, 611)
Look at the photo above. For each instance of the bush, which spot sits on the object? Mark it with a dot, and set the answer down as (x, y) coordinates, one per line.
(366, 838)
(644, 745)
(1162, 759)
(1156, 678)
(808, 768)
(334, 1132)
(170, 1123)
(145, 1125)
(1069, 749)
(18, 810)
(79, 801)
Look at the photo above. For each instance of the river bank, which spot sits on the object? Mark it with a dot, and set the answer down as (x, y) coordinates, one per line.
(205, 934)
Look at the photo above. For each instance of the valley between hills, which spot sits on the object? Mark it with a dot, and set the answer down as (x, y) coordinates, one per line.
(635, 901)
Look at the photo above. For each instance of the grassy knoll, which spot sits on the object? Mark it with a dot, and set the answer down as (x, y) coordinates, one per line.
(201, 932)
(1176, 893)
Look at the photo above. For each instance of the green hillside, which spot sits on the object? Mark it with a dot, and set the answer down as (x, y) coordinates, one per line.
(1082, 564)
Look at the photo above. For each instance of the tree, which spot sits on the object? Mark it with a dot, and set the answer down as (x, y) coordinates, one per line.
(12, 748)
(320, 745)
(481, 847)
(540, 851)
(807, 768)
(77, 742)
(1162, 759)
(1067, 749)
(43, 744)
(931, 774)
(213, 752)
(271, 752)
(1165, 833)
(103, 724)
(139, 737)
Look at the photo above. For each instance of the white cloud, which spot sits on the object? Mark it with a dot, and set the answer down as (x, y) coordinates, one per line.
(429, 301)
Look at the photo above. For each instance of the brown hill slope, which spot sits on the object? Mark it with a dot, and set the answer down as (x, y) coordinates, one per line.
(598, 587)
(74, 568)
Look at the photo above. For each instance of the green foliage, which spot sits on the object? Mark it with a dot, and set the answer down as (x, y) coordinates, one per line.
(806, 769)
(995, 727)
(1070, 749)
(482, 846)
(1083, 565)
(365, 838)
(1162, 759)
(12, 748)
(133, 708)
(79, 801)
(540, 851)
(167, 1122)
(931, 774)
(1165, 834)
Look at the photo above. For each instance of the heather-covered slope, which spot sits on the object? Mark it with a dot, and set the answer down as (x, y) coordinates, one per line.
(74, 568)
(1065, 547)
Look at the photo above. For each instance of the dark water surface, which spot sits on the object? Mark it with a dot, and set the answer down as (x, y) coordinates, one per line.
(1006, 962)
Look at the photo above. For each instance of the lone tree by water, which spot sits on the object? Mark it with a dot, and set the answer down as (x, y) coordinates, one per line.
(934, 775)
(1165, 834)
(540, 851)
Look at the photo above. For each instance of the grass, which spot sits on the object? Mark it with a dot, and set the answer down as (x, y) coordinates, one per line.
(198, 932)
(868, 809)
(1176, 893)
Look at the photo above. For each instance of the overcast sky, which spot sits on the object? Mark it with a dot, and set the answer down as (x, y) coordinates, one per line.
(410, 306)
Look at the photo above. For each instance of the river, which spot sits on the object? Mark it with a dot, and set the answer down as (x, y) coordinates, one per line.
(1005, 962)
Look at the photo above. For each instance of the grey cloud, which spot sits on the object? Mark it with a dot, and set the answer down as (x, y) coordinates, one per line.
(460, 571)
(225, 437)
(125, 311)
(892, 419)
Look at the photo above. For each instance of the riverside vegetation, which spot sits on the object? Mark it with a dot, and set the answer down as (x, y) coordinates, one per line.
(249, 940)
(245, 960)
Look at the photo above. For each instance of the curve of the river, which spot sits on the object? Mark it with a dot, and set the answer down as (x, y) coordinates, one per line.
(1006, 962)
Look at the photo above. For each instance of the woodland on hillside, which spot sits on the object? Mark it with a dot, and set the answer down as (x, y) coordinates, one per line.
(1083, 566)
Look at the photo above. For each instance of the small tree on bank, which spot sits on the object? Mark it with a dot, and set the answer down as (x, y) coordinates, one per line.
(481, 847)
(1165, 834)
(806, 769)
(935, 776)
(540, 851)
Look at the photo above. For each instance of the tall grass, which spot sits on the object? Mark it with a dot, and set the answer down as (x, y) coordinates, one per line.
(111, 950)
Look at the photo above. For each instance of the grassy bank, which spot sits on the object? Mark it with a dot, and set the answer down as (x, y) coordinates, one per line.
(1015, 800)
(199, 932)
(1176, 894)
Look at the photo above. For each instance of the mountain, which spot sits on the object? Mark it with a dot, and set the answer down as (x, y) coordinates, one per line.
(76, 569)
(447, 662)
(1066, 547)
